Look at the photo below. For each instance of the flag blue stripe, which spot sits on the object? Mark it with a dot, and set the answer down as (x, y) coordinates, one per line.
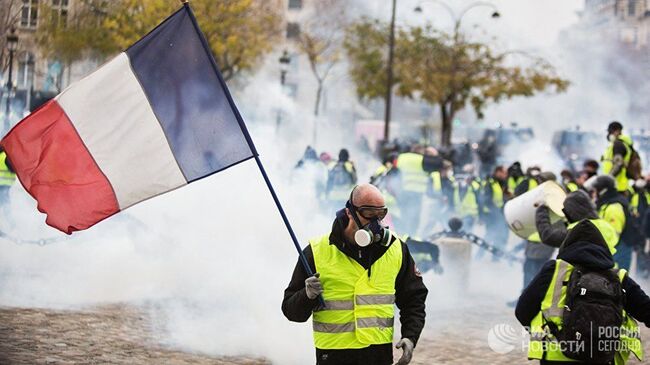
(185, 93)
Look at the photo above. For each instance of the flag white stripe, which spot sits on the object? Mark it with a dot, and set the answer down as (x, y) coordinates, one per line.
(112, 115)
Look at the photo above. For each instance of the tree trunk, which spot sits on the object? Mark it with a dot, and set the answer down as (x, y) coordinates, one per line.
(446, 116)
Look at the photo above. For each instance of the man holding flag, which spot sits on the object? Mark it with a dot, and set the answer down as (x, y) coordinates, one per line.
(363, 270)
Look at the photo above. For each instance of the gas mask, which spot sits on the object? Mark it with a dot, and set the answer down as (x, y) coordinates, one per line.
(372, 232)
(611, 138)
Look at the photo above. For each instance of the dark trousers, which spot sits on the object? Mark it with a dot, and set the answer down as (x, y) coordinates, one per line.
(371, 355)
(623, 256)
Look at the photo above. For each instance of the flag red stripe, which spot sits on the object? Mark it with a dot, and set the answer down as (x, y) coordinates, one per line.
(55, 167)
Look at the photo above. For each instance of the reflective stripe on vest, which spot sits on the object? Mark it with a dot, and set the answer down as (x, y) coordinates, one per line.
(414, 178)
(622, 182)
(359, 310)
(552, 310)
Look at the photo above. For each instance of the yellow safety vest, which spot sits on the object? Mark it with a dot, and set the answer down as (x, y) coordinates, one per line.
(497, 193)
(614, 214)
(512, 183)
(358, 309)
(571, 186)
(606, 230)
(468, 205)
(543, 345)
(436, 181)
(414, 178)
(7, 178)
(622, 182)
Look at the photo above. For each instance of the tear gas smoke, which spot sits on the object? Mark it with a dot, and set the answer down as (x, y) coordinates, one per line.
(211, 260)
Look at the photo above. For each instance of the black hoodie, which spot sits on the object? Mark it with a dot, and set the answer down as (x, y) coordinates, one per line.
(410, 294)
(584, 246)
(577, 206)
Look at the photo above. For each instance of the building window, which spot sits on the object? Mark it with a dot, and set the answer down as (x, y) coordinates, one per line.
(60, 11)
(25, 77)
(29, 14)
(295, 4)
(293, 30)
(631, 7)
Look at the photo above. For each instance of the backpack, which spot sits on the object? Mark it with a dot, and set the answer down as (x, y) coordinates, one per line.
(634, 166)
(593, 315)
(339, 175)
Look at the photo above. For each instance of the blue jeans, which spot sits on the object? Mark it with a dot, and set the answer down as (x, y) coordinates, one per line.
(623, 255)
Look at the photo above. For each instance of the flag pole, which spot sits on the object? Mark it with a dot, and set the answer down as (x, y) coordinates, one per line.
(251, 145)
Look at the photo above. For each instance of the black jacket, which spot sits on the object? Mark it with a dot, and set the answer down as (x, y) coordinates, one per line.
(583, 246)
(577, 206)
(410, 294)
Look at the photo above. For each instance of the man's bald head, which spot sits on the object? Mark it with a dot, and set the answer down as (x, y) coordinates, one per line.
(367, 194)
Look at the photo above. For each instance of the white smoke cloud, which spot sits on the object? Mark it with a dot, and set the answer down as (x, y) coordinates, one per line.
(211, 260)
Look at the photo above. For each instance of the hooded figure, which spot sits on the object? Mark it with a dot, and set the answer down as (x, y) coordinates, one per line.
(584, 247)
(577, 206)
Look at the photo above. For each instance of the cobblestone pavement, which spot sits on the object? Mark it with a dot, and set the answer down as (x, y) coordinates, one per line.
(461, 337)
(124, 335)
(106, 335)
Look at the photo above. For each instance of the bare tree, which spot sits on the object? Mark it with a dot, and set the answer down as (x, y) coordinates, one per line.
(321, 40)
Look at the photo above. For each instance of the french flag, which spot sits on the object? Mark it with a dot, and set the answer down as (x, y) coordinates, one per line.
(153, 119)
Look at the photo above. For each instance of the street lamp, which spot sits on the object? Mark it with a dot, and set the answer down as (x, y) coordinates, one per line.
(284, 60)
(457, 19)
(12, 44)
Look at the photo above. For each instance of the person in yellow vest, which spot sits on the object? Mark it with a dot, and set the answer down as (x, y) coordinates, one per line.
(468, 198)
(515, 177)
(617, 156)
(577, 206)
(362, 270)
(415, 181)
(614, 207)
(493, 200)
(579, 308)
(7, 177)
(530, 181)
(568, 181)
